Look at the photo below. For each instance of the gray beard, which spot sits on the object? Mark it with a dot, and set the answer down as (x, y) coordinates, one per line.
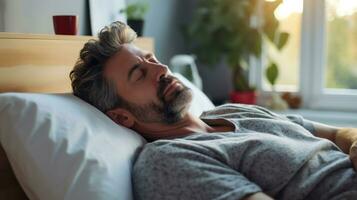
(165, 112)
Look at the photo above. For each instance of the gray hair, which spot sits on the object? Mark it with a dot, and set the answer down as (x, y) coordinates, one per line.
(88, 81)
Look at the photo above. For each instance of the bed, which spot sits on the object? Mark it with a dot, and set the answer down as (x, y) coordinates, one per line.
(41, 64)
(40, 156)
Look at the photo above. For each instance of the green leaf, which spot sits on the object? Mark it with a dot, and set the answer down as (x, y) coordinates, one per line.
(270, 27)
(271, 24)
(135, 10)
(256, 47)
(272, 73)
(283, 39)
(270, 6)
(232, 60)
(222, 29)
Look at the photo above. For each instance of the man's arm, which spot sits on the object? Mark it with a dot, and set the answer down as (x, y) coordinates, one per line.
(323, 130)
(342, 137)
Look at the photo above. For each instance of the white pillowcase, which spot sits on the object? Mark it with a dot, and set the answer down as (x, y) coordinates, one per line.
(63, 148)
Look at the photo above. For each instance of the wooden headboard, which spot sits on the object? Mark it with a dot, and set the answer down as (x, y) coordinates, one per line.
(41, 63)
(38, 63)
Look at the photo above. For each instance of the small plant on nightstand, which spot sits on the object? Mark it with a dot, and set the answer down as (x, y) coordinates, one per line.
(135, 13)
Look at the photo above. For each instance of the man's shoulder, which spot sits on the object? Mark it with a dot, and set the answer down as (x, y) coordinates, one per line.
(231, 108)
(158, 146)
(158, 149)
(162, 153)
(165, 146)
(172, 149)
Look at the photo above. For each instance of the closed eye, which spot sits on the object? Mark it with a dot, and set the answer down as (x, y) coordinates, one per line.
(133, 69)
(142, 74)
(152, 59)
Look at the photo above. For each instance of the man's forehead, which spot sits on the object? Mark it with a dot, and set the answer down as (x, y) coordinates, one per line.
(127, 51)
(131, 48)
(122, 60)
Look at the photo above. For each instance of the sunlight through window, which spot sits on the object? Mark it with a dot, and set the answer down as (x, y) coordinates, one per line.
(289, 14)
(341, 68)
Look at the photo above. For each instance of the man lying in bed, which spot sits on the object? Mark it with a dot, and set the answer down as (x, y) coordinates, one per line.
(232, 152)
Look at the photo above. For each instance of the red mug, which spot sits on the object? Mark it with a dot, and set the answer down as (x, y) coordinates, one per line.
(65, 24)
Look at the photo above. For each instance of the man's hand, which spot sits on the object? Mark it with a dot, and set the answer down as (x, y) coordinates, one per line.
(353, 154)
(346, 139)
(258, 196)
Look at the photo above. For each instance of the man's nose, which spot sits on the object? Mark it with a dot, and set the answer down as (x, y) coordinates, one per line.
(162, 71)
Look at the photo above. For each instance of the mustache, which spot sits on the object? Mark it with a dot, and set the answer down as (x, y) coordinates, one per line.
(163, 83)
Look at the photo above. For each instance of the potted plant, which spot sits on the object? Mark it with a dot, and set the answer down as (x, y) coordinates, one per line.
(234, 30)
(135, 13)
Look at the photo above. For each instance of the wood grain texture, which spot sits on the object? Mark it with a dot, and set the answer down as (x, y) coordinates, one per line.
(41, 63)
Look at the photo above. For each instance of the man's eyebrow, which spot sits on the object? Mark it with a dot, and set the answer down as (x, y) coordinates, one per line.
(132, 69)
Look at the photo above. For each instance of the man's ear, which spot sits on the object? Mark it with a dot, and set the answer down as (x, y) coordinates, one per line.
(121, 116)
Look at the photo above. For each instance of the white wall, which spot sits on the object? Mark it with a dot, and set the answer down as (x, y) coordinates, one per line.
(35, 16)
(163, 22)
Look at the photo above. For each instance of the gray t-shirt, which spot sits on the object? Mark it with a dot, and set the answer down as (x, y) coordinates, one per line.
(267, 153)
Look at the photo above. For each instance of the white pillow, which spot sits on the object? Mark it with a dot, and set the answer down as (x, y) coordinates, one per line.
(62, 148)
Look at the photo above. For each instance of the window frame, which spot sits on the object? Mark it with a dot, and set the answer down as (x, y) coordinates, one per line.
(313, 54)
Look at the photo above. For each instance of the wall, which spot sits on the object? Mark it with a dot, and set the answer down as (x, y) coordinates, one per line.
(2, 7)
(217, 81)
(35, 16)
(163, 22)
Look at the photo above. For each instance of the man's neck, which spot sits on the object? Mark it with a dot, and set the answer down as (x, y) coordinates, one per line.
(187, 125)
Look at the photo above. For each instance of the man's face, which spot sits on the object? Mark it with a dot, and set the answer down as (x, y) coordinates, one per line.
(153, 94)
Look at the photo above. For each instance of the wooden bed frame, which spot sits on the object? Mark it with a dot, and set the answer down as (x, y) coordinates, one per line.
(38, 63)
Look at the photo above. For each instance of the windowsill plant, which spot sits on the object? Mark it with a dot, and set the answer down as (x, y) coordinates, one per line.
(234, 30)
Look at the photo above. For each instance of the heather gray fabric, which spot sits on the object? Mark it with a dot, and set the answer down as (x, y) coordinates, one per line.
(267, 152)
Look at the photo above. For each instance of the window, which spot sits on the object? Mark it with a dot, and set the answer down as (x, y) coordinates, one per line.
(341, 40)
(289, 14)
(320, 60)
